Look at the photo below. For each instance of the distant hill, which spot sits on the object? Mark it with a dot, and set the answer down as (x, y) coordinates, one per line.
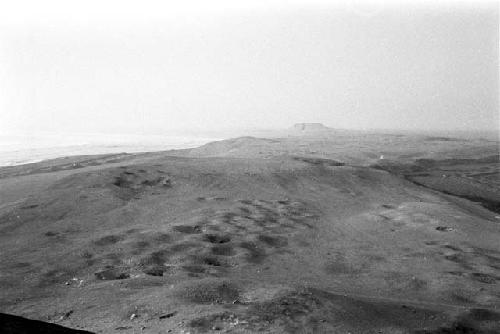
(310, 127)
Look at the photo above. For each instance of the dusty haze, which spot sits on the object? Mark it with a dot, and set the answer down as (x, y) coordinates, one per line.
(117, 67)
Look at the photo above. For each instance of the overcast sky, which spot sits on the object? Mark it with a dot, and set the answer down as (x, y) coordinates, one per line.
(142, 67)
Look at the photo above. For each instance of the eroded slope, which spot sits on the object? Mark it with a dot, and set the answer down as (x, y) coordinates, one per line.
(284, 244)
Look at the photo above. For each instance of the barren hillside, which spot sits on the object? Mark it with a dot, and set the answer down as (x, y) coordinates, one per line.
(252, 235)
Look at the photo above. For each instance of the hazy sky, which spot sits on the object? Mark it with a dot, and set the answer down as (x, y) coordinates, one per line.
(118, 66)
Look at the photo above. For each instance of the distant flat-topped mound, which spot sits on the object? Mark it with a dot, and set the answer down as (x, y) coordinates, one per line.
(310, 127)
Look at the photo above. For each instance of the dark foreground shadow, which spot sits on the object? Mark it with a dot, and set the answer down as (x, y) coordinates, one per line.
(12, 324)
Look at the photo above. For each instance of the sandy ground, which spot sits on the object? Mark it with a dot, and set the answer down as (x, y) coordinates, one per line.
(292, 235)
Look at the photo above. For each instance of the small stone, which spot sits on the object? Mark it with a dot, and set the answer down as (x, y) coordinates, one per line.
(66, 315)
(444, 229)
(121, 328)
(168, 315)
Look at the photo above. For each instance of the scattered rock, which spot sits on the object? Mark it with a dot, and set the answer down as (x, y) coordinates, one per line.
(74, 280)
(166, 183)
(168, 315)
(444, 229)
(66, 315)
(122, 328)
